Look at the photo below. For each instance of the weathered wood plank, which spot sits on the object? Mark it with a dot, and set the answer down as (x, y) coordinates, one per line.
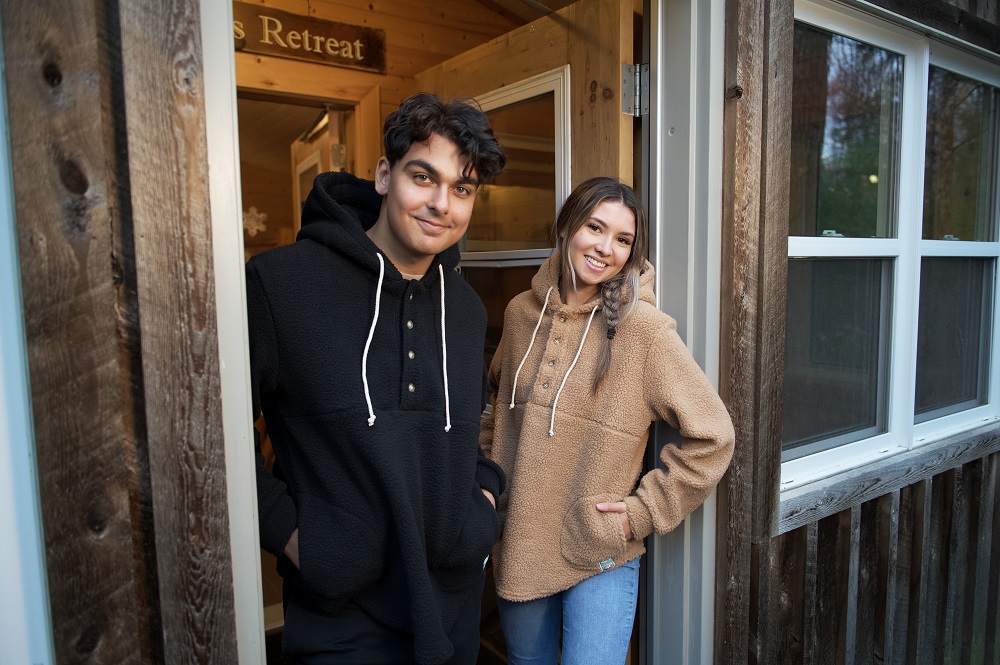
(817, 500)
(833, 589)
(980, 525)
(992, 646)
(957, 567)
(165, 114)
(810, 630)
(61, 141)
(921, 503)
(871, 584)
(779, 626)
(933, 588)
(893, 566)
(741, 206)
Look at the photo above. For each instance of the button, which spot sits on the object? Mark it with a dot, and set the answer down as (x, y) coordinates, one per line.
(411, 296)
(545, 385)
(409, 325)
(552, 363)
(562, 319)
(411, 388)
(555, 341)
(411, 354)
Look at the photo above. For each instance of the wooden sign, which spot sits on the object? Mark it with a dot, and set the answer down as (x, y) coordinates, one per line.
(286, 35)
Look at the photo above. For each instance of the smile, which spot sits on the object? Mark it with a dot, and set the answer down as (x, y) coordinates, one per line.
(595, 262)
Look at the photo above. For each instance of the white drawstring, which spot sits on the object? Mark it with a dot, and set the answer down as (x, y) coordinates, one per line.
(552, 421)
(444, 358)
(513, 388)
(371, 333)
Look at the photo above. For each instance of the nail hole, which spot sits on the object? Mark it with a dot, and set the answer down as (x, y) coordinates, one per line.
(52, 74)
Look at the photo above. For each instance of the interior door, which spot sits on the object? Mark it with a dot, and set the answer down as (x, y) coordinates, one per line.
(586, 43)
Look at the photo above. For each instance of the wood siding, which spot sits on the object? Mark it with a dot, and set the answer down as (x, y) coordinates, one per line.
(896, 562)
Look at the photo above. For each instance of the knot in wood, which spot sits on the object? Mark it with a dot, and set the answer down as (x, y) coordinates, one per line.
(52, 74)
(734, 92)
(607, 94)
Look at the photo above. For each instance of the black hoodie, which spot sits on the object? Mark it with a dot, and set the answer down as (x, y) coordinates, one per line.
(377, 456)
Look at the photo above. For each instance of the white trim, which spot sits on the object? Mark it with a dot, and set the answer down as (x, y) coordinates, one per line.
(25, 623)
(557, 82)
(230, 294)
(820, 247)
(684, 197)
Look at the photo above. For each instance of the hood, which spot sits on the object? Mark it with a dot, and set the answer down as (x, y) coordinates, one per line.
(551, 269)
(340, 209)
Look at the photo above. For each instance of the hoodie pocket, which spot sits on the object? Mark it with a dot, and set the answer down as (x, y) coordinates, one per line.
(590, 539)
(339, 552)
(465, 558)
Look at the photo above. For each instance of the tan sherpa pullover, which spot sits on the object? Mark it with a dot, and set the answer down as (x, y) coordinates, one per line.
(553, 535)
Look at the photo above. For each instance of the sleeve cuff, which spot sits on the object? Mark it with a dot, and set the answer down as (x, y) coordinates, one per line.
(639, 518)
(490, 477)
(277, 526)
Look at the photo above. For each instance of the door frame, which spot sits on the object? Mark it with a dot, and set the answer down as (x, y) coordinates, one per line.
(681, 152)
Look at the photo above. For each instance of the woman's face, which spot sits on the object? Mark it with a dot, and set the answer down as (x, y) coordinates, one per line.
(599, 249)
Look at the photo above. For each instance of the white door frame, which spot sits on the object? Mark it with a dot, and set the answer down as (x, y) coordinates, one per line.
(226, 206)
(682, 161)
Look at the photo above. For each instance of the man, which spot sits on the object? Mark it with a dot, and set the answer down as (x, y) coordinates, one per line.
(366, 361)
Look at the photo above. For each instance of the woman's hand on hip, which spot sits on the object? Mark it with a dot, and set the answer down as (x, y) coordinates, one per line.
(621, 508)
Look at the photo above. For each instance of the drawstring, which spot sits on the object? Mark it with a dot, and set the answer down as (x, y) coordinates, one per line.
(552, 422)
(444, 358)
(537, 325)
(371, 333)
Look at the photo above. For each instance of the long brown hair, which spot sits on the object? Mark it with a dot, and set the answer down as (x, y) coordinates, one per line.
(619, 294)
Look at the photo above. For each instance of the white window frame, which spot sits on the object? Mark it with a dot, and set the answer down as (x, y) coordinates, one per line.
(904, 250)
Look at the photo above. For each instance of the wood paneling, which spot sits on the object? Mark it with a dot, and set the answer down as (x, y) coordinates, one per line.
(168, 178)
(594, 38)
(973, 21)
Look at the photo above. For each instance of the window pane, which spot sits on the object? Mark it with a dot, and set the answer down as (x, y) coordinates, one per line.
(960, 165)
(496, 287)
(953, 334)
(845, 136)
(836, 352)
(516, 211)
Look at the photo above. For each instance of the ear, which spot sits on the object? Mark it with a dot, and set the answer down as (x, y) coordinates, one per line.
(382, 171)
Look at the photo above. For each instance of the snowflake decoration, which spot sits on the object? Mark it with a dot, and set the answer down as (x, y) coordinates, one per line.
(253, 221)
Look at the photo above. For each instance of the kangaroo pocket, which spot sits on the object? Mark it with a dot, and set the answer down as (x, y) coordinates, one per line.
(339, 552)
(590, 539)
(465, 558)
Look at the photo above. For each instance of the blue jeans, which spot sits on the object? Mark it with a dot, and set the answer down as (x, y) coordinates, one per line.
(595, 618)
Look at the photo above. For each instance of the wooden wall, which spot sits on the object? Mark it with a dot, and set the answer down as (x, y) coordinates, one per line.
(108, 145)
(418, 35)
(893, 563)
(910, 577)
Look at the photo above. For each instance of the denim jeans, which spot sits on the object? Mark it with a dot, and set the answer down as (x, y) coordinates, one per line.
(595, 618)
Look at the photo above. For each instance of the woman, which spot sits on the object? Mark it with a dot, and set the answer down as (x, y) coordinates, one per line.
(585, 364)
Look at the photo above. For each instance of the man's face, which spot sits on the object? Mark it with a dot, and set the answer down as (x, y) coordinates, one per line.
(427, 206)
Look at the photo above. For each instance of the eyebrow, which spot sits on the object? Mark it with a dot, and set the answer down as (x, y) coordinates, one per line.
(605, 225)
(434, 173)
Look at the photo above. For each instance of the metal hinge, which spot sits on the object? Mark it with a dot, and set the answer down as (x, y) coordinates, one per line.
(635, 90)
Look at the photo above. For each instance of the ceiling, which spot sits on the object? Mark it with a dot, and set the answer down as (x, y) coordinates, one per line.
(267, 128)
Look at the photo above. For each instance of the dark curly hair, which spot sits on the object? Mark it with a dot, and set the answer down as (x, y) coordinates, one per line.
(460, 121)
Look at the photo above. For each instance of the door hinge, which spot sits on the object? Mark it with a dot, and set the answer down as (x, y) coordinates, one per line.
(635, 90)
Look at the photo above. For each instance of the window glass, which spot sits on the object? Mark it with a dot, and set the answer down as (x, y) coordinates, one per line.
(836, 352)
(960, 162)
(953, 335)
(497, 286)
(845, 136)
(516, 211)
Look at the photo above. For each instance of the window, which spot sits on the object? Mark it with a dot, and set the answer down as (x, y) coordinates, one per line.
(892, 243)
(508, 236)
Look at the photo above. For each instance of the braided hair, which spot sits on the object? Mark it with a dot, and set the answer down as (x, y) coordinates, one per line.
(619, 294)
